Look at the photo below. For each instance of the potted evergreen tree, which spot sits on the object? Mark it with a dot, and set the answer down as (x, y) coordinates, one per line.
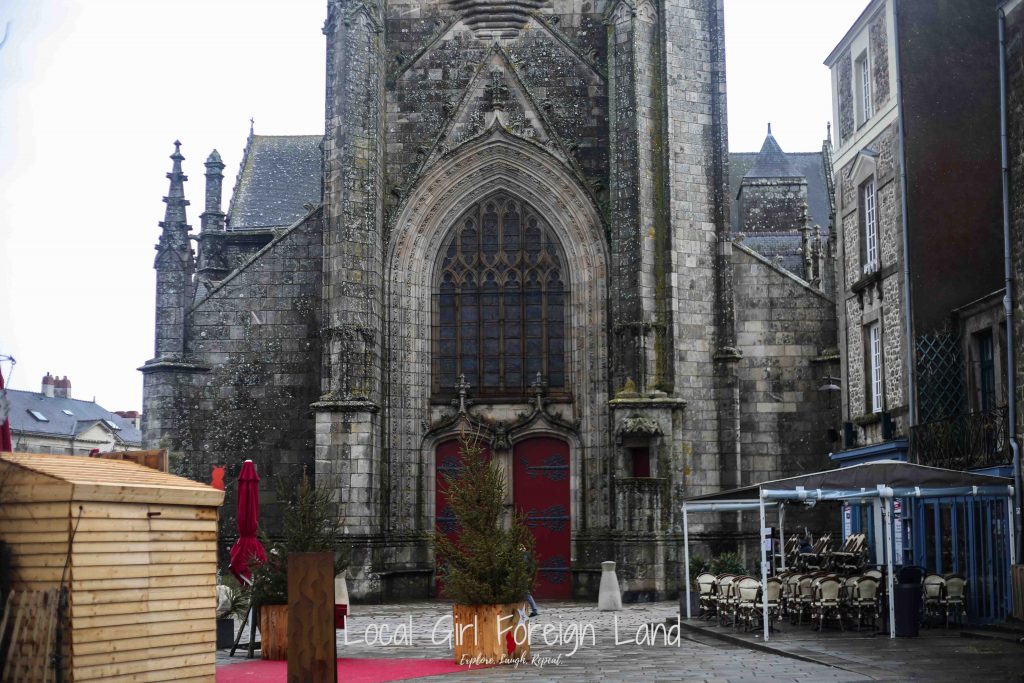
(486, 567)
(308, 525)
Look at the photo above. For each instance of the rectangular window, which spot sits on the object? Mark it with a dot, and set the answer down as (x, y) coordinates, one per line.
(873, 344)
(864, 81)
(870, 227)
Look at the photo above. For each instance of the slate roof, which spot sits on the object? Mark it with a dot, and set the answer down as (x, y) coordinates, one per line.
(279, 175)
(788, 245)
(808, 164)
(772, 162)
(84, 414)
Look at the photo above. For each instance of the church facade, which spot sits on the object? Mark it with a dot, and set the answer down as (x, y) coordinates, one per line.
(516, 225)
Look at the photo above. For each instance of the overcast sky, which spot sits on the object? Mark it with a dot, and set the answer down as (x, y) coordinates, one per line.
(94, 92)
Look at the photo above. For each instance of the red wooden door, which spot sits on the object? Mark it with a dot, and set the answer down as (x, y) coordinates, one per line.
(448, 461)
(540, 491)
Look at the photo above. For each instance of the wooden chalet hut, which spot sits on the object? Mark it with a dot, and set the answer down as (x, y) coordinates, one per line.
(136, 550)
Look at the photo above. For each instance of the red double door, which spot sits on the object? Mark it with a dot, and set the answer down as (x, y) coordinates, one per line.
(540, 492)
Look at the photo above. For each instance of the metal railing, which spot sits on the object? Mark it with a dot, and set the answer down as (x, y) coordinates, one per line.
(963, 442)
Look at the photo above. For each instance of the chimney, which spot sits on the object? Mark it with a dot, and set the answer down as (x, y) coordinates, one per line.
(48, 383)
(132, 415)
(62, 387)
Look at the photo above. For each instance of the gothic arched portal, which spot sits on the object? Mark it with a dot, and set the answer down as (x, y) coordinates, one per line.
(499, 302)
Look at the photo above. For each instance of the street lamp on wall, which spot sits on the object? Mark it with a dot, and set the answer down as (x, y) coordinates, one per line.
(830, 385)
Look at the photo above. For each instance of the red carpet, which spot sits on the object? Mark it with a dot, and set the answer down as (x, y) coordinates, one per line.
(349, 670)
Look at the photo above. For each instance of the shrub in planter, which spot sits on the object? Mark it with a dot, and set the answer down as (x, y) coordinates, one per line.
(232, 602)
(728, 563)
(486, 567)
(308, 525)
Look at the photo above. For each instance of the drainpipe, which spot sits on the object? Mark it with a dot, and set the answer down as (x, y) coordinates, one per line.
(908, 311)
(1011, 399)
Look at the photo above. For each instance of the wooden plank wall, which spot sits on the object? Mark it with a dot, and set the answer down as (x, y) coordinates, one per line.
(143, 593)
(31, 637)
(38, 537)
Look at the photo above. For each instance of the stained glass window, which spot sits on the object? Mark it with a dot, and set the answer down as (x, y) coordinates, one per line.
(500, 303)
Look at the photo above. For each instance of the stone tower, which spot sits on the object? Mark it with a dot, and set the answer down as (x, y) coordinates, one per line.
(604, 119)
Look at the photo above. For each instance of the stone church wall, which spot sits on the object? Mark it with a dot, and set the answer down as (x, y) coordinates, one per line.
(787, 333)
(258, 335)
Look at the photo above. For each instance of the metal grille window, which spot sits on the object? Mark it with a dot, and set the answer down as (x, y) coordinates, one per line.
(500, 302)
(870, 228)
(874, 367)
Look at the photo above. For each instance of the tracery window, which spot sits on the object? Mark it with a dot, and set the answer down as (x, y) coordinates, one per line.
(500, 302)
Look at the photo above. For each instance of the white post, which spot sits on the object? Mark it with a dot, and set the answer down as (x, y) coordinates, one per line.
(764, 568)
(887, 515)
(686, 560)
(782, 533)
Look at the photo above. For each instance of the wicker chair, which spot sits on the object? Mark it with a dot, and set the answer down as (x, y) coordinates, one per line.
(956, 597)
(804, 598)
(852, 556)
(724, 605)
(826, 601)
(864, 601)
(791, 593)
(747, 590)
(706, 595)
(773, 594)
(934, 589)
(817, 559)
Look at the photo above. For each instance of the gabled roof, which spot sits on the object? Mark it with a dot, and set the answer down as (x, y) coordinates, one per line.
(98, 479)
(83, 414)
(279, 176)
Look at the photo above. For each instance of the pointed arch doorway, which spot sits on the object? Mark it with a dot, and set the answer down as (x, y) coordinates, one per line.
(540, 493)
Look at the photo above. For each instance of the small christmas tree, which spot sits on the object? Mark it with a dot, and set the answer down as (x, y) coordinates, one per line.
(483, 563)
(309, 525)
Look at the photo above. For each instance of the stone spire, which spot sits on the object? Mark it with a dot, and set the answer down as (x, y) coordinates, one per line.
(175, 267)
(213, 216)
(175, 224)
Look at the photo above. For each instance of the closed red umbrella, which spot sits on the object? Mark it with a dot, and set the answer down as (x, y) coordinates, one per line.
(247, 549)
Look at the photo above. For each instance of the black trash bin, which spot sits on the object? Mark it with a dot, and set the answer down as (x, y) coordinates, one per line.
(907, 606)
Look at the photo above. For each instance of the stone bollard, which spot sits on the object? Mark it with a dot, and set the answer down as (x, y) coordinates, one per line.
(609, 599)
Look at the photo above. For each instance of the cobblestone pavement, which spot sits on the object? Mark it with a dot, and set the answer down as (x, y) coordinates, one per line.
(613, 654)
(693, 658)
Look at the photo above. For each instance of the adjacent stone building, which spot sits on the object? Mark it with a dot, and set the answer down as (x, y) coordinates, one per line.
(915, 100)
(516, 225)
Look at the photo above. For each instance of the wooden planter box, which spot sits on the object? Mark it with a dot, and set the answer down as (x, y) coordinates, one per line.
(274, 631)
(488, 634)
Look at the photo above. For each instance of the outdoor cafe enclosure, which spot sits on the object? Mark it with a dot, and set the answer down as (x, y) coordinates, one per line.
(978, 534)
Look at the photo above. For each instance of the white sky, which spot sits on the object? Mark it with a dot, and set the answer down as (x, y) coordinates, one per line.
(94, 92)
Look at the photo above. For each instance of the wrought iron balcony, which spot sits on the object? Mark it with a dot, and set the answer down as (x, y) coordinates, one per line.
(963, 442)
